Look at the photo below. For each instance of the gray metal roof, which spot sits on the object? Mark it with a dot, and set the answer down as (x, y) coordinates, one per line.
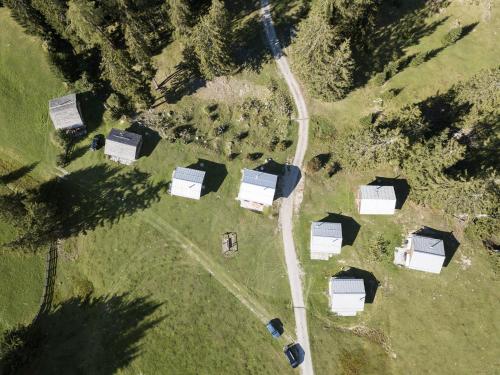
(259, 178)
(377, 192)
(325, 229)
(188, 174)
(125, 137)
(64, 112)
(348, 286)
(428, 245)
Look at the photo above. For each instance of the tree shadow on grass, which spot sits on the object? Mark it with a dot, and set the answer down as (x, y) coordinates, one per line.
(467, 29)
(401, 188)
(370, 281)
(215, 175)
(350, 227)
(94, 335)
(450, 242)
(184, 80)
(95, 196)
(17, 174)
(397, 28)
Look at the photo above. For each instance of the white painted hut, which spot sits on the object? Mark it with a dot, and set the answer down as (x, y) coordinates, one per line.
(376, 200)
(123, 146)
(65, 113)
(187, 182)
(326, 239)
(257, 189)
(347, 296)
(421, 253)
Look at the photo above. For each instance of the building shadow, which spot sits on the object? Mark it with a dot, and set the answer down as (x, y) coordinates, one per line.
(401, 188)
(93, 197)
(369, 280)
(450, 242)
(17, 173)
(288, 176)
(350, 227)
(92, 108)
(215, 175)
(278, 325)
(93, 335)
(150, 138)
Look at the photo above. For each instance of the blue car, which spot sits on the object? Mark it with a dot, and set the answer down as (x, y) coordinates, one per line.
(273, 330)
(292, 354)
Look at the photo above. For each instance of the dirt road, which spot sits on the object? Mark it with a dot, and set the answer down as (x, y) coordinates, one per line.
(287, 205)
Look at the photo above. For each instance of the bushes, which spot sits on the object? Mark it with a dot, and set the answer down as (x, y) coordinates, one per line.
(378, 249)
(314, 165)
(419, 58)
(452, 36)
(317, 163)
(388, 95)
(380, 78)
(367, 120)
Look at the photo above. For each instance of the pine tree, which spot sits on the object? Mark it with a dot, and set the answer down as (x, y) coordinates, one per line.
(180, 17)
(212, 42)
(321, 60)
(54, 12)
(86, 22)
(28, 17)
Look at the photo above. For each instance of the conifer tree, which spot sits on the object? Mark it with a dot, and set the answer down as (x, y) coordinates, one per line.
(27, 16)
(321, 59)
(212, 42)
(180, 17)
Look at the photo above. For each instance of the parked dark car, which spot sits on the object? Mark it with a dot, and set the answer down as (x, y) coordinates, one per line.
(273, 330)
(292, 354)
(97, 142)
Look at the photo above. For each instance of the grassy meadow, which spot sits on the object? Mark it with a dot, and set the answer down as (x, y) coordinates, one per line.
(142, 285)
(418, 323)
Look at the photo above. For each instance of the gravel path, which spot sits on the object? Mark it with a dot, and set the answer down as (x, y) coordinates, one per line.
(287, 205)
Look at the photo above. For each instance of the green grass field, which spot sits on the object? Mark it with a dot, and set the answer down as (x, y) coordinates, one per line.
(163, 298)
(419, 323)
(142, 286)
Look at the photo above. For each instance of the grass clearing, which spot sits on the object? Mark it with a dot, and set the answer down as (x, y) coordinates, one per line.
(145, 304)
(418, 323)
(25, 89)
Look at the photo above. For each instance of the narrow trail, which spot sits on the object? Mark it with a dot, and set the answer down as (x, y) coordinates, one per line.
(216, 270)
(287, 206)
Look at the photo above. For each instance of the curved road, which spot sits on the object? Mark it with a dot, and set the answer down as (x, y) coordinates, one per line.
(290, 180)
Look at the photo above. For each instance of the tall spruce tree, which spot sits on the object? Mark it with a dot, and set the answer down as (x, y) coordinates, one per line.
(179, 13)
(321, 59)
(212, 42)
(27, 16)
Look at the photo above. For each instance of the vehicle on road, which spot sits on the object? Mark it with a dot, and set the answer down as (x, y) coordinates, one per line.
(273, 330)
(292, 354)
(97, 142)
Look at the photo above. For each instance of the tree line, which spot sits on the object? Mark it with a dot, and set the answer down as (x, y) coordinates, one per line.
(325, 42)
(446, 146)
(109, 45)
